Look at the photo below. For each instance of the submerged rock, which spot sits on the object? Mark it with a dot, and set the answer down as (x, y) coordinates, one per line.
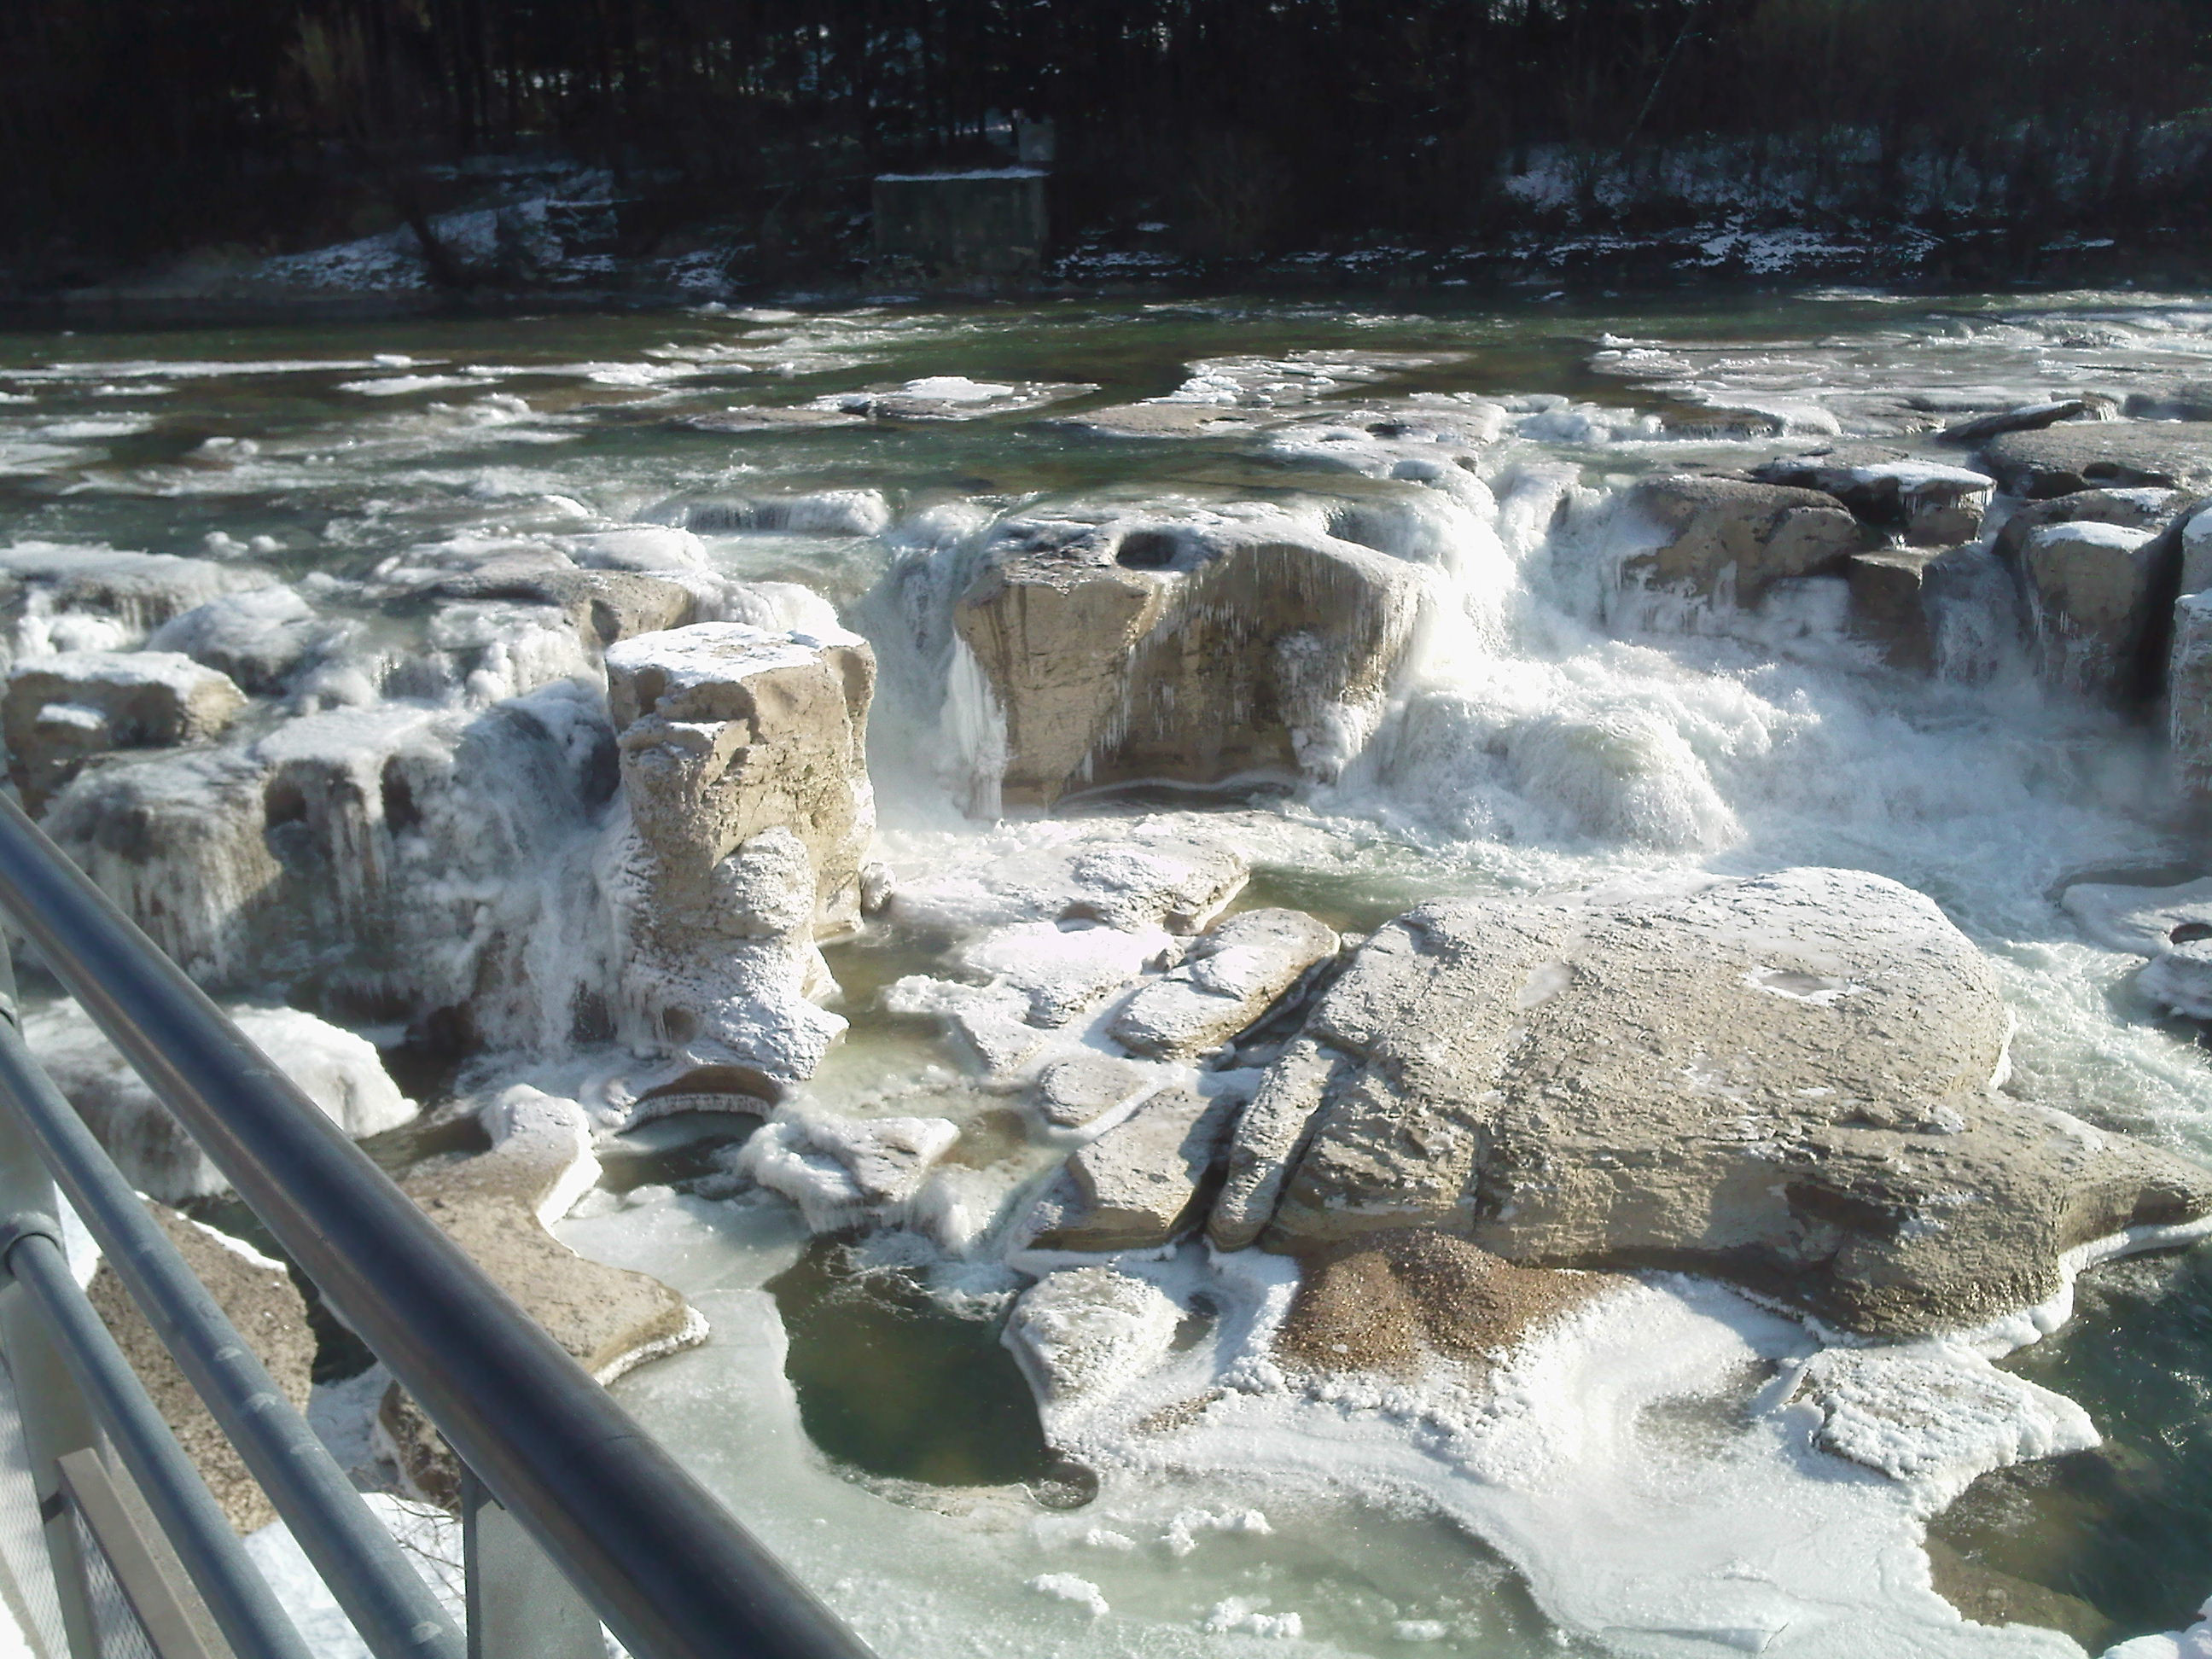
(1782, 1081)
(61, 710)
(1732, 539)
(1193, 651)
(341, 1073)
(2061, 459)
(1229, 977)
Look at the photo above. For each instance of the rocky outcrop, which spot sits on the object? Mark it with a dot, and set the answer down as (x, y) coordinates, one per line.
(1144, 1182)
(59, 711)
(2096, 595)
(1782, 1081)
(821, 513)
(950, 397)
(2148, 507)
(1193, 650)
(1230, 976)
(259, 1298)
(1929, 505)
(497, 1207)
(2027, 417)
(750, 813)
(1165, 420)
(2061, 459)
(341, 1073)
(1732, 539)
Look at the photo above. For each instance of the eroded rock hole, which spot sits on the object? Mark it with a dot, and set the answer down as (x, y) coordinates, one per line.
(1148, 549)
(2190, 931)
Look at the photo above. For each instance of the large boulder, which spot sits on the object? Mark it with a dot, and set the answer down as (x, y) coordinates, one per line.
(2147, 507)
(1182, 649)
(1731, 538)
(1143, 1182)
(1785, 1081)
(749, 814)
(1932, 505)
(59, 711)
(2098, 595)
(2061, 459)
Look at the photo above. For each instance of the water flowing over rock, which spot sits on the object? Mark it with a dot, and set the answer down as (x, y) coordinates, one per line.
(341, 1073)
(1184, 650)
(748, 814)
(1732, 539)
(1784, 1081)
(2061, 459)
(1230, 978)
(59, 711)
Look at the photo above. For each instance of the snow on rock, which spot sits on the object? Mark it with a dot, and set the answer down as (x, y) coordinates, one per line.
(2195, 1643)
(1240, 1615)
(1082, 1332)
(258, 637)
(59, 711)
(1066, 1587)
(1126, 876)
(2170, 926)
(57, 597)
(842, 1172)
(1932, 1415)
(1932, 505)
(341, 1073)
(1141, 1183)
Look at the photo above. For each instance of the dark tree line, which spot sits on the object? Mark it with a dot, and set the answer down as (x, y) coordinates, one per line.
(129, 128)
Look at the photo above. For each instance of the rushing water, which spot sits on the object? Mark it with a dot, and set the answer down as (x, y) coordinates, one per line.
(853, 1403)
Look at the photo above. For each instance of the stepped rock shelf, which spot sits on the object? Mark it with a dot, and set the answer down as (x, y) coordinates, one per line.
(1276, 995)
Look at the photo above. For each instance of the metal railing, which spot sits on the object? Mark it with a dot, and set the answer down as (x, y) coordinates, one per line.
(572, 1515)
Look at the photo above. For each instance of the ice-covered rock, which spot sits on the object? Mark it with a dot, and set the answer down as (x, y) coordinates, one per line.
(1933, 506)
(1083, 1333)
(1026, 978)
(1195, 649)
(177, 840)
(258, 637)
(841, 1171)
(54, 598)
(749, 814)
(1730, 539)
(341, 1073)
(1228, 979)
(2061, 459)
(1143, 1182)
(262, 1303)
(497, 1207)
(1414, 441)
(61, 710)
(1784, 1081)
(2095, 594)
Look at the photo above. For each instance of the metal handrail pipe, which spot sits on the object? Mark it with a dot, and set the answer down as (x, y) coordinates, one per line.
(667, 1568)
(374, 1584)
(237, 1596)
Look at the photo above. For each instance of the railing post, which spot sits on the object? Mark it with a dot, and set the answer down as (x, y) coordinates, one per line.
(56, 1421)
(519, 1605)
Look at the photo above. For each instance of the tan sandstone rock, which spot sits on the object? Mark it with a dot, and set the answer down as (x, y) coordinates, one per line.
(1732, 538)
(1143, 1182)
(60, 710)
(1784, 1081)
(1230, 976)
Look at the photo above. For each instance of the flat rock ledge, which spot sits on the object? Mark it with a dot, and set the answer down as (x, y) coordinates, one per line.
(497, 1207)
(1785, 1082)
